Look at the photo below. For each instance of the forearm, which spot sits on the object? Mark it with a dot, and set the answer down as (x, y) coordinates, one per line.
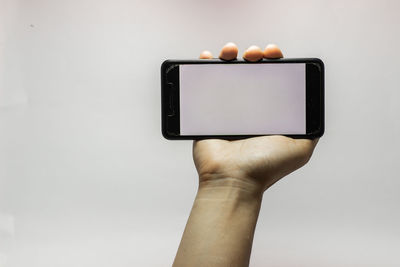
(221, 226)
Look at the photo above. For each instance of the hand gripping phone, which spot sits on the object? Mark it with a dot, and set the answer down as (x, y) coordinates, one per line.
(238, 99)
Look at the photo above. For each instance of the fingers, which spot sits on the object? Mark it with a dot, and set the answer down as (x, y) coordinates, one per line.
(253, 53)
(229, 52)
(272, 51)
(315, 141)
(206, 55)
(305, 148)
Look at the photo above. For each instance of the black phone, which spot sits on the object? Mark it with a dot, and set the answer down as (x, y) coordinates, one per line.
(239, 99)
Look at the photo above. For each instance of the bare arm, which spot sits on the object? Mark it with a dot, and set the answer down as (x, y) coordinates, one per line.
(221, 226)
(233, 176)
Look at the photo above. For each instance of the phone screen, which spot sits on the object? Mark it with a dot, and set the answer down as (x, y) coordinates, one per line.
(242, 99)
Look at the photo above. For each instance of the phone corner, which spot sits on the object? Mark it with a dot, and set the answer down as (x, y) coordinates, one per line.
(166, 135)
(320, 63)
(320, 133)
(165, 64)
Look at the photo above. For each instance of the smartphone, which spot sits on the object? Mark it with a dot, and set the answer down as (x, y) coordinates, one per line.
(238, 99)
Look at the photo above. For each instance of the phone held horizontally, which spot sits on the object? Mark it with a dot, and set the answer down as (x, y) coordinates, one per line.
(239, 99)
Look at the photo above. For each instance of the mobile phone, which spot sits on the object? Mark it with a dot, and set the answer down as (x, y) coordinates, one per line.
(238, 99)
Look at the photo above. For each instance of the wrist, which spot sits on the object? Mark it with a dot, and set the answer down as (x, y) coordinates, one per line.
(230, 188)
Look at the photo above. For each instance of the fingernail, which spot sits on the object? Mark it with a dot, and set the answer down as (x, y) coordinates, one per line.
(230, 44)
(253, 47)
(205, 55)
(271, 46)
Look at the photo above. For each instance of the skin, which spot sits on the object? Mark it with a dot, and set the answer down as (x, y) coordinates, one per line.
(233, 176)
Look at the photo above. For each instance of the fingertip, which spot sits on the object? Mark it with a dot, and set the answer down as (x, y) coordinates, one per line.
(206, 55)
(315, 141)
(253, 54)
(230, 44)
(229, 51)
(272, 51)
(312, 144)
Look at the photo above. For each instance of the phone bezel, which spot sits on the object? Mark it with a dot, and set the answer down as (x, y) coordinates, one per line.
(315, 106)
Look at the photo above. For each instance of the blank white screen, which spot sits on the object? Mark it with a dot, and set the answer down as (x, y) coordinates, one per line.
(240, 99)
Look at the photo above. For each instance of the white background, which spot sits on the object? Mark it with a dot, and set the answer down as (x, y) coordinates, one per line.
(86, 178)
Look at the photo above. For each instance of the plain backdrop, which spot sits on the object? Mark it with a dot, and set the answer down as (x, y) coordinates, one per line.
(86, 178)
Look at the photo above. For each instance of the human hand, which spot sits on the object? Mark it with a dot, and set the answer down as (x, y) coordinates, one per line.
(252, 164)
(233, 176)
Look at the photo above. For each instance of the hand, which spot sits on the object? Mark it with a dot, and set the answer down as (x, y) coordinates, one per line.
(233, 176)
(252, 164)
